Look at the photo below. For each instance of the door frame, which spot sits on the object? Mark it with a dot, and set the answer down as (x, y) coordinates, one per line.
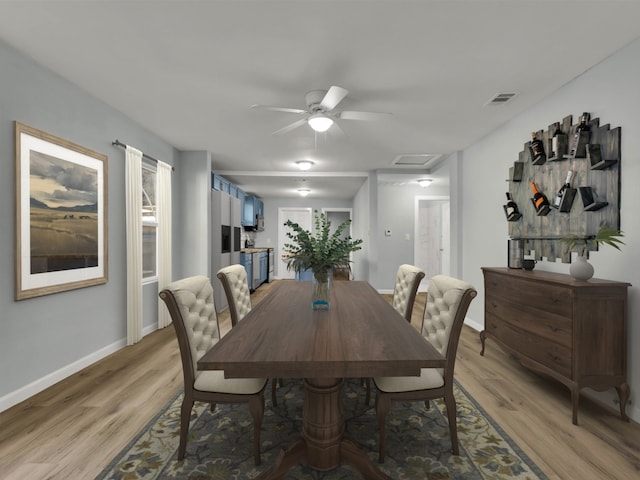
(282, 237)
(416, 223)
(348, 210)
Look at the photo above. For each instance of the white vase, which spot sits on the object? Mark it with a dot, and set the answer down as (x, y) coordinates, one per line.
(581, 269)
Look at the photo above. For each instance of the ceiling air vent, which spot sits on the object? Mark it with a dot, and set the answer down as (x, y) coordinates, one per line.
(416, 159)
(500, 98)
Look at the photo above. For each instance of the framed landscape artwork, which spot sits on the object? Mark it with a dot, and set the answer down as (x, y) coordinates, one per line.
(61, 214)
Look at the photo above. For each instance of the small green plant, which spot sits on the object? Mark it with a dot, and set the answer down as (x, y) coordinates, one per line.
(606, 235)
(321, 251)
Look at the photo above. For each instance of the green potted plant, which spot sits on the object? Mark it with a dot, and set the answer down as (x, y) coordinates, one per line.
(581, 269)
(321, 252)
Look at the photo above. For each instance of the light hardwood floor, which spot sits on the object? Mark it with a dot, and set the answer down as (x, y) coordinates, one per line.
(73, 429)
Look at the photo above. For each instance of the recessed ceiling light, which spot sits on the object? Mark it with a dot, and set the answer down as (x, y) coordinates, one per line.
(304, 164)
(424, 182)
(319, 122)
(304, 192)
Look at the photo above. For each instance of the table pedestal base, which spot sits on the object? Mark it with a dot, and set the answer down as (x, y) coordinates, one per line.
(322, 444)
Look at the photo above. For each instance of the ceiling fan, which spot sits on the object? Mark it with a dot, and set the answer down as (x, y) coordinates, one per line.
(320, 113)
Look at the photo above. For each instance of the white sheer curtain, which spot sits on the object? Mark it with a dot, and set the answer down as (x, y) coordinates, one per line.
(133, 180)
(164, 238)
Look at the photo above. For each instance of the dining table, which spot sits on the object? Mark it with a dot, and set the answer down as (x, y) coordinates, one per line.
(361, 335)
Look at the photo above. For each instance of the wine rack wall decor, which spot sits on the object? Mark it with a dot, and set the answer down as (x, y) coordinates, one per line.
(594, 198)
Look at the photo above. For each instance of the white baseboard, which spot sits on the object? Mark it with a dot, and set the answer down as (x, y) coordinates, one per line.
(478, 327)
(52, 378)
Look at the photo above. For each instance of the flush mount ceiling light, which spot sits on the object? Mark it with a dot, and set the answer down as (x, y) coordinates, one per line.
(424, 182)
(319, 122)
(304, 192)
(304, 164)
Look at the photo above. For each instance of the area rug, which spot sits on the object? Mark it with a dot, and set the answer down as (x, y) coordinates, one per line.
(418, 444)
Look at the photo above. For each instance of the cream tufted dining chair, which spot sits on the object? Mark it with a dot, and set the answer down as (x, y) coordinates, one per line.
(236, 287)
(193, 313)
(447, 302)
(408, 279)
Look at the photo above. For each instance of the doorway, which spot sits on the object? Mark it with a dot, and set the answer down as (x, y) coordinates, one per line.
(432, 251)
(337, 216)
(301, 216)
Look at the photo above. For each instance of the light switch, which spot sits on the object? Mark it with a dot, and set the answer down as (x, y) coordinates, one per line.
(407, 236)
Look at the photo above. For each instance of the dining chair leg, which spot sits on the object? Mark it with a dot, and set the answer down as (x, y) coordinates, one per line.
(185, 416)
(256, 409)
(367, 385)
(450, 403)
(383, 405)
(274, 398)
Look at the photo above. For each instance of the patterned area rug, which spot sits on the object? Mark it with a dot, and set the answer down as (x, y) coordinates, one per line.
(418, 444)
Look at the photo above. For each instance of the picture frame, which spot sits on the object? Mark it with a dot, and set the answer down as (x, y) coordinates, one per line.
(61, 214)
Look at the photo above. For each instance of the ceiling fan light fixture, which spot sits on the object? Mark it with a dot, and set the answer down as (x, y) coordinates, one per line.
(304, 164)
(319, 122)
(424, 182)
(304, 192)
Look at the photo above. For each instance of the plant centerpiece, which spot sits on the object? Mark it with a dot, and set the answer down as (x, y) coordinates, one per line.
(322, 253)
(581, 269)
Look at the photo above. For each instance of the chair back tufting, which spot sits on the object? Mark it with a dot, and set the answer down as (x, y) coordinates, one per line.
(408, 279)
(236, 288)
(448, 299)
(193, 312)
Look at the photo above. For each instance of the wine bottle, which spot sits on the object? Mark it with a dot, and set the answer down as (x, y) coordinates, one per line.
(583, 126)
(539, 198)
(566, 185)
(511, 209)
(555, 141)
(537, 149)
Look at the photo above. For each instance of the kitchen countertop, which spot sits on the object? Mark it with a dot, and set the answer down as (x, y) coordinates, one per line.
(254, 250)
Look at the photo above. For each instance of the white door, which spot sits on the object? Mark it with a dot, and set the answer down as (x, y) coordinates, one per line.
(432, 237)
(301, 216)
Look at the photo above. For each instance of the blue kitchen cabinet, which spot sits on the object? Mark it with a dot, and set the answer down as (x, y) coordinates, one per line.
(253, 207)
(248, 211)
(259, 207)
(220, 183)
(264, 266)
(246, 262)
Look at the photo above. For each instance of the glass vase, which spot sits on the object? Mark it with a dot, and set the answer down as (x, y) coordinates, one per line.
(321, 289)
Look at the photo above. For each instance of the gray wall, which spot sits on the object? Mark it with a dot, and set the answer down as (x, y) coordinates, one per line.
(361, 229)
(608, 91)
(396, 212)
(46, 338)
(193, 214)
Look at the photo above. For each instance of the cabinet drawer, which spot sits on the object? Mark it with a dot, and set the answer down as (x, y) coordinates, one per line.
(531, 319)
(548, 353)
(554, 299)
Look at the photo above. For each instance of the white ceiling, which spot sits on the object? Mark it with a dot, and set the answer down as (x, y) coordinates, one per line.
(190, 70)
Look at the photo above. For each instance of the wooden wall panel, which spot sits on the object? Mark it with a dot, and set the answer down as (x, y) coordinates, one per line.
(541, 234)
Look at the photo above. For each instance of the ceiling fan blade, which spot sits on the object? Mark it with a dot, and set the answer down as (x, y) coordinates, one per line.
(290, 127)
(352, 115)
(333, 97)
(278, 109)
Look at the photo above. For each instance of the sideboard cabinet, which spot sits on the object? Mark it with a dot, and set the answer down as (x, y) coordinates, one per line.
(572, 331)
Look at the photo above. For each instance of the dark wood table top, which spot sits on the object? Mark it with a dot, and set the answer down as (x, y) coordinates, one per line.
(361, 335)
